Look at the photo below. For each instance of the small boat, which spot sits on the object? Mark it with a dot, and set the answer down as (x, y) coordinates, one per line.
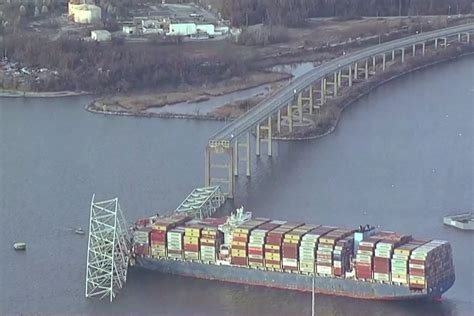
(79, 231)
(464, 221)
(19, 246)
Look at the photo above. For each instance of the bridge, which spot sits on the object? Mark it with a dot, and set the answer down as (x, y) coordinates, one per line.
(307, 94)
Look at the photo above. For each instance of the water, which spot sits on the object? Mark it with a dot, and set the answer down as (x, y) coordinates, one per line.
(401, 158)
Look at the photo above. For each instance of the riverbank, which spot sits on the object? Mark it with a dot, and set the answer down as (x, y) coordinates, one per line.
(139, 103)
(33, 94)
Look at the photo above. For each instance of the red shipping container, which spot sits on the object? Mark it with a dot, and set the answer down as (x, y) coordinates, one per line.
(239, 261)
(273, 240)
(141, 250)
(255, 252)
(156, 235)
(191, 247)
(416, 272)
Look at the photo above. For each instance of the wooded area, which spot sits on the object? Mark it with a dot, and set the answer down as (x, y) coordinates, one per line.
(294, 12)
(107, 67)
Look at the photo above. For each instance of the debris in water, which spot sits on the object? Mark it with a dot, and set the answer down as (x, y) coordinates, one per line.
(79, 231)
(19, 246)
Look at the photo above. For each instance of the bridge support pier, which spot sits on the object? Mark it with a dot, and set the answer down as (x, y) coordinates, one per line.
(309, 99)
(423, 46)
(279, 121)
(356, 71)
(348, 76)
(257, 141)
(374, 63)
(290, 117)
(393, 55)
(266, 136)
(445, 42)
(414, 49)
(468, 37)
(403, 54)
(247, 158)
(436, 43)
(236, 157)
(323, 91)
(300, 107)
(220, 148)
(383, 62)
(366, 69)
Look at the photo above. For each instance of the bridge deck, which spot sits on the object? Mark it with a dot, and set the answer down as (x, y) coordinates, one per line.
(281, 98)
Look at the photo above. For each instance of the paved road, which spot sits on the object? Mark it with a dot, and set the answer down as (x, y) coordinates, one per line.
(271, 104)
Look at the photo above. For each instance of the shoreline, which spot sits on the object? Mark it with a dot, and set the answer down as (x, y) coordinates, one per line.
(35, 94)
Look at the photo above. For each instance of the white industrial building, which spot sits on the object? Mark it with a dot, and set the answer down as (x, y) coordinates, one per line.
(101, 35)
(84, 13)
(182, 29)
(205, 28)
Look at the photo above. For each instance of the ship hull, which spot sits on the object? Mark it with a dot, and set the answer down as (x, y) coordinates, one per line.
(293, 281)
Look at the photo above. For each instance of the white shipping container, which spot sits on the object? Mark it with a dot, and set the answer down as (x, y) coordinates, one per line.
(290, 262)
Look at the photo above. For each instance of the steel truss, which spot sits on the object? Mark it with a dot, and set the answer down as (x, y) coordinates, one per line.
(202, 202)
(108, 249)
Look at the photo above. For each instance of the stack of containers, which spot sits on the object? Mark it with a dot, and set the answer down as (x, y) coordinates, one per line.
(291, 243)
(211, 240)
(324, 254)
(141, 242)
(308, 246)
(158, 240)
(192, 233)
(429, 264)
(256, 245)
(342, 256)
(364, 257)
(383, 255)
(273, 245)
(399, 261)
(240, 239)
(159, 233)
(175, 240)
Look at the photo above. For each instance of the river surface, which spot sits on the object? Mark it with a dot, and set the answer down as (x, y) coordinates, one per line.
(401, 158)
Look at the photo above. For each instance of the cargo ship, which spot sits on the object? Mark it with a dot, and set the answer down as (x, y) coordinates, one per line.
(362, 262)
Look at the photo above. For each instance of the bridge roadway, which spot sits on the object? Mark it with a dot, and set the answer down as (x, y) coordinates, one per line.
(281, 98)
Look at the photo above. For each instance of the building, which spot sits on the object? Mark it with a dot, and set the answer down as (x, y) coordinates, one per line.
(182, 29)
(101, 35)
(84, 13)
(205, 28)
(153, 27)
(129, 29)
